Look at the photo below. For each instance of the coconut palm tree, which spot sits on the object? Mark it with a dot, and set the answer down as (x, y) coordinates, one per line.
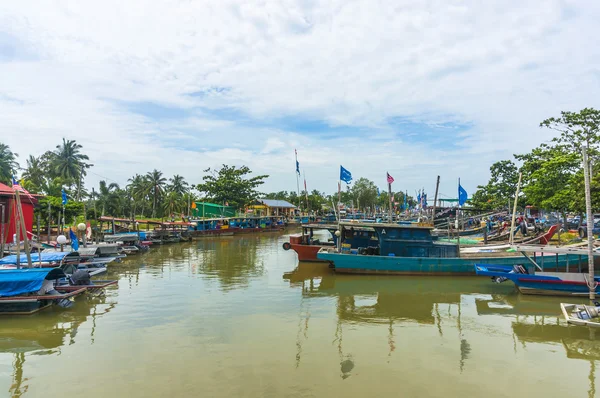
(137, 189)
(35, 175)
(108, 197)
(178, 185)
(8, 163)
(156, 184)
(69, 163)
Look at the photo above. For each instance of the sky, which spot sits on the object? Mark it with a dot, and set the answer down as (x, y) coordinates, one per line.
(415, 88)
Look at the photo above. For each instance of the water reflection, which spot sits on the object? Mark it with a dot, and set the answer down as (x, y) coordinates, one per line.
(401, 301)
(45, 333)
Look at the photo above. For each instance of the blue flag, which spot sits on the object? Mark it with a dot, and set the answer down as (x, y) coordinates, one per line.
(345, 175)
(405, 207)
(74, 241)
(298, 167)
(378, 193)
(462, 195)
(64, 197)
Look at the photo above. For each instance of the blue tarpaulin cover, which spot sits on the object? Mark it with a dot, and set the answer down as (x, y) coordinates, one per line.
(15, 282)
(35, 257)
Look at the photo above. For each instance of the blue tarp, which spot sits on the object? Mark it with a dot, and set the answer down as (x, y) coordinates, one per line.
(35, 257)
(15, 282)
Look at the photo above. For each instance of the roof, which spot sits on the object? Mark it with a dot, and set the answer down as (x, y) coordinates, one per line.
(277, 203)
(198, 204)
(35, 257)
(26, 197)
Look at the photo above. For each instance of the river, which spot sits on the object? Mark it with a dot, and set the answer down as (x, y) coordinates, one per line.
(238, 317)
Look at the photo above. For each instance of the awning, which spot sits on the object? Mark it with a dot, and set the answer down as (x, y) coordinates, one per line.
(15, 282)
(35, 257)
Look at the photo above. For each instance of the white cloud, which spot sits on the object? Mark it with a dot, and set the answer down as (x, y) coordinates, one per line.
(498, 66)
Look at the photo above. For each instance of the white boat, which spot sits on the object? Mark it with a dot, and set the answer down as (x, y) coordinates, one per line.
(581, 314)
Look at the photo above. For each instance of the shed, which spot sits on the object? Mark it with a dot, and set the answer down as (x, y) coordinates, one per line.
(7, 200)
(273, 207)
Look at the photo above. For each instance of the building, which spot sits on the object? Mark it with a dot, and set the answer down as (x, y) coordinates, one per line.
(272, 207)
(212, 210)
(8, 212)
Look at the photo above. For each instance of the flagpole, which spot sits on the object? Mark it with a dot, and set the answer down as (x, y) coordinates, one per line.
(339, 213)
(390, 199)
(306, 192)
(298, 180)
(459, 214)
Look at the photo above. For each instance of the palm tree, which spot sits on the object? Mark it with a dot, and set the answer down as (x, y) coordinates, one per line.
(178, 185)
(137, 189)
(8, 163)
(173, 203)
(108, 196)
(156, 185)
(69, 163)
(35, 175)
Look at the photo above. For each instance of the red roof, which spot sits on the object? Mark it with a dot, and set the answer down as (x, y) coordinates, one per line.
(5, 190)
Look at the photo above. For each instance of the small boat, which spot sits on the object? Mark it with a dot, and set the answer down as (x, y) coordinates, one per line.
(581, 314)
(21, 290)
(533, 278)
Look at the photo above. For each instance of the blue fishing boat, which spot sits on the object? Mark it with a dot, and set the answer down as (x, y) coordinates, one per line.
(411, 249)
(533, 278)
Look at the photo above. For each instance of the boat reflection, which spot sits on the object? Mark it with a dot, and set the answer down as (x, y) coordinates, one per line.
(45, 334)
(400, 301)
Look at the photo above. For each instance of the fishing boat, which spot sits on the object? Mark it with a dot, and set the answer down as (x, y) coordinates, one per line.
(68, 262)
(211, 227)
(307, 246)
(533, 277)
(129, 243)
(581, 314)
(20, 290)
(412, 250)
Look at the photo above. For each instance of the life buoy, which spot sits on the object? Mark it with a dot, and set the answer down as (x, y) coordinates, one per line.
(287, 246)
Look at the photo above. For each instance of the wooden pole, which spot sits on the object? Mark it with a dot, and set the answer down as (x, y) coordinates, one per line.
(590, 225)
(514, 215)
(23, 228)
(17, 235)
(49, 223)
(437, 187)
(339, 238)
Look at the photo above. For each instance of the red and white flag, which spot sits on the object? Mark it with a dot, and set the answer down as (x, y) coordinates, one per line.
(390, 179)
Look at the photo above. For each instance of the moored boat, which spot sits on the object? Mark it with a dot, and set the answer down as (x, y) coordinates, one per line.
(412, 250)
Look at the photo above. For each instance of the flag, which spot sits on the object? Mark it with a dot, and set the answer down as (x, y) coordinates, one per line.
(64, 197)
(88, 231)
(298, 167)
(462, 195)
(390, 179)
(424, 200)
(194, 205)
(74, 241)
(378, 193)
(345, 175)
(419, 197)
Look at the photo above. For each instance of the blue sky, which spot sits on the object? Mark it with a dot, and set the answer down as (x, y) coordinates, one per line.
(415, 88)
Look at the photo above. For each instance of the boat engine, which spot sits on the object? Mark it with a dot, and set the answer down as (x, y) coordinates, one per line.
(587, 312)
(517, 269)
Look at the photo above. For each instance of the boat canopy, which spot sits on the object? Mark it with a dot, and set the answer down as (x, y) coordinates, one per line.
(35, 257)
(15, 282)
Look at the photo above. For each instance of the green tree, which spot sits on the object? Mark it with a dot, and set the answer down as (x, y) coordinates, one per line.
(8, 163)
(69, 163)
(35, 175)
(156, 187)
(500, 189)
(178, 185)
(108, 198)
(578, 129)
(231, 184)
(364, 193)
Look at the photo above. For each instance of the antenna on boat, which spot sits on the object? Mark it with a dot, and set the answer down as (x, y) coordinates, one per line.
(514, 215)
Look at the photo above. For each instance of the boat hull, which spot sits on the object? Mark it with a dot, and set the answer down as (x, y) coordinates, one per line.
(452, 266)
(307, 253)
(543, 284)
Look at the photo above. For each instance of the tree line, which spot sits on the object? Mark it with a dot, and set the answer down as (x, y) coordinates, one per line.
(552, 173)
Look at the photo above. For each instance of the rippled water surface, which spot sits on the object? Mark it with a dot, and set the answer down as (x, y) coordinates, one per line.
(238, 317)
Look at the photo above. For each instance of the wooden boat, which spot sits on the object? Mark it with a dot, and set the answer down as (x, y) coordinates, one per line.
(581, 314)
(19, 290)
(307, 246)
(534, 279)
(412, 250)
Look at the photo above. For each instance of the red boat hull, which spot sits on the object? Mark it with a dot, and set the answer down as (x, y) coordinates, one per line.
(307, 252)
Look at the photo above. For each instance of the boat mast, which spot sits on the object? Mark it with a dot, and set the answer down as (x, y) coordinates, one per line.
(590, 225)
(514, 215)
(437, 187)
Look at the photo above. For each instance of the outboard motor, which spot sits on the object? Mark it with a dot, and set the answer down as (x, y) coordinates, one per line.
(588, 312)
(517, 269)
